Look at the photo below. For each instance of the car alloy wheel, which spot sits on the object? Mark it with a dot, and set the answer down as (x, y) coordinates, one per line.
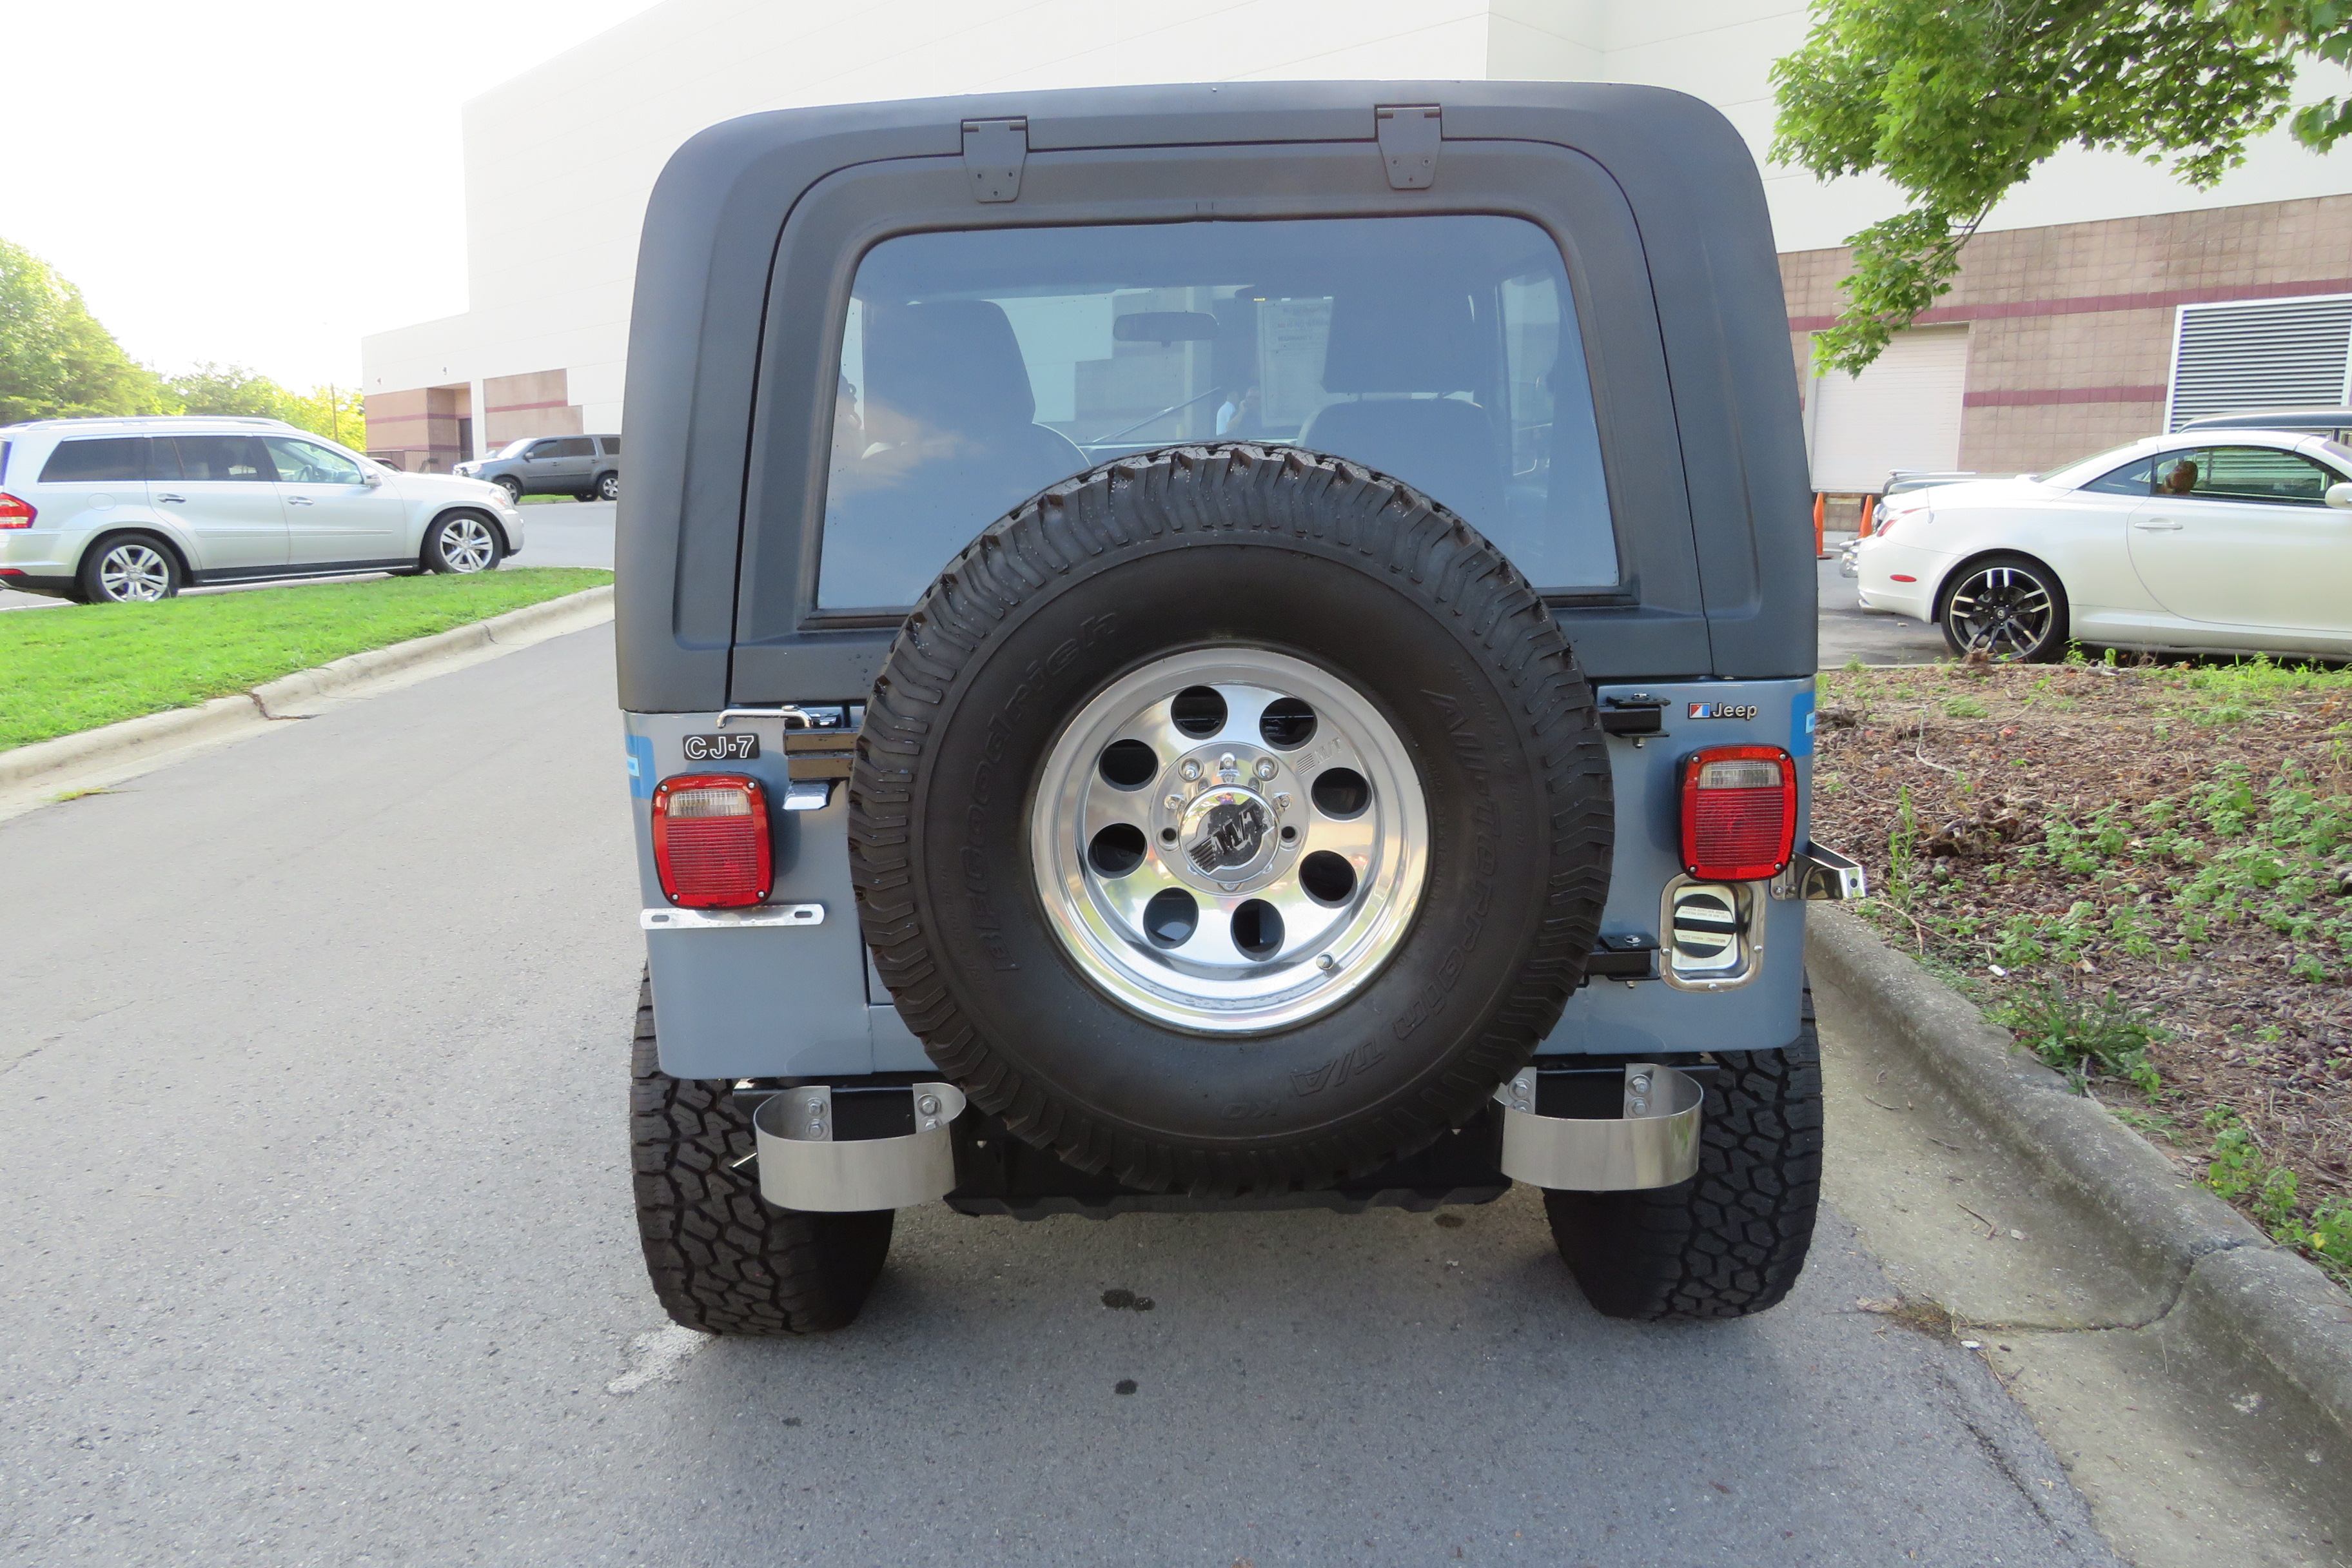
(467, 545)
(609, 487)
(2005, 611)
(132, 572)
(1229, 840)
(512, 486)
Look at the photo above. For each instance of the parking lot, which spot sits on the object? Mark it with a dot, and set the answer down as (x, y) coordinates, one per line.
(323, 1253)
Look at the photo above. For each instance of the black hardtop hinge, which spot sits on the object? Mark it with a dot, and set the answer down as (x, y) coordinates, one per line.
(994, 153)
(1409, 134)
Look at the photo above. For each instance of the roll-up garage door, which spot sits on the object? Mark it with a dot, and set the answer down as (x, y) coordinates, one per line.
(2271, 353)
(1904, 411)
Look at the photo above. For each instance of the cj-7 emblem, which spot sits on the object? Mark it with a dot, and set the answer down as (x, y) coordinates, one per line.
(1228, 828)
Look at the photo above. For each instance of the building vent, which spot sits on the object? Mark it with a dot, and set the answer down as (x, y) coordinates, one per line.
(2272, 353)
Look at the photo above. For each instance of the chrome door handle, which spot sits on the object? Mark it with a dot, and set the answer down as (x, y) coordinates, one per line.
(182, 500)
(298, 501)
(2158, 525)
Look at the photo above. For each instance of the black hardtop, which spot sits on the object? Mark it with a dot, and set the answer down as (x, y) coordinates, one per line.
(755, 227)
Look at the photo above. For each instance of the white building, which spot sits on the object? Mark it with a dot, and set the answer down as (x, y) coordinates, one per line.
(2058, 338)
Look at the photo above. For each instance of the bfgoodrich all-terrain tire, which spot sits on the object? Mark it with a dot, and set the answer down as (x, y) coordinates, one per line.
(1332, 727)
(723, 1259)
(1732, 1239)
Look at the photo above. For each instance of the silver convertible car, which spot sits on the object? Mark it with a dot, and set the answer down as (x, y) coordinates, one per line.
(122, 511)
(2211, 541)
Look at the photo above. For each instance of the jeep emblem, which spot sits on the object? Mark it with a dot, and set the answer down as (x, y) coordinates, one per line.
(1225, 831)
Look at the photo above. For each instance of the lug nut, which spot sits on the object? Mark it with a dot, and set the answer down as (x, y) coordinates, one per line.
(1175, 803)
(1226, 763)
(1266, 767)
(1191, 770)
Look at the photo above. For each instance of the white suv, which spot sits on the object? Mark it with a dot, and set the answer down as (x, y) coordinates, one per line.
(118, 510)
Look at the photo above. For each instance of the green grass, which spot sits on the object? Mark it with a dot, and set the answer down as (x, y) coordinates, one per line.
(76, 667)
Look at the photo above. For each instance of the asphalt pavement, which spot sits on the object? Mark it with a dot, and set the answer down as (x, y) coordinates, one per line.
(313, 1057)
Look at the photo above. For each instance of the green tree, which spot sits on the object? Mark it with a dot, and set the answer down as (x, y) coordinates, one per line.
(334, 412)
(56, 361)
(1957, 103)
(338, 412)
(212, 388)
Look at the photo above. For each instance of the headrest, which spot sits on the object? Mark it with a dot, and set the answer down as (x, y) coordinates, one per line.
(948, 365)
(1397, 340)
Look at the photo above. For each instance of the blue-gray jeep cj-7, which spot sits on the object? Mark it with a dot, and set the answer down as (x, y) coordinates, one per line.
(1219, 647)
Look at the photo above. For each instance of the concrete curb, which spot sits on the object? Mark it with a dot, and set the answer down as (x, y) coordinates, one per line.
(26, 765)
(2241, 1298)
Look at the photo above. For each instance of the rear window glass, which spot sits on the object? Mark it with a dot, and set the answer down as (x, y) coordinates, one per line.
(978, 368)
(239, 459)
(611, 445)
(113, 459)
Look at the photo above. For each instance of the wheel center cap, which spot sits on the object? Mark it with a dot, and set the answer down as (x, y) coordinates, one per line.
(1227, 832)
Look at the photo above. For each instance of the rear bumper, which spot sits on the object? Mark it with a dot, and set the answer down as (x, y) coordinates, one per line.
(876, 1143)
(1898, 578)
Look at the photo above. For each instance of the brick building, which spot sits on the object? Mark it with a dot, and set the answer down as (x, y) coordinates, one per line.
(2061, 337)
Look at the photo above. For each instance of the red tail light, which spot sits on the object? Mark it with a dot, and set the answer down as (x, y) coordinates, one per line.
(1739, 812)
(710, 841)
(15, 513)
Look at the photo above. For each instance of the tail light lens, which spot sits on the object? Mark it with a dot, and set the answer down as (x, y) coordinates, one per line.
(710, 841)
(1739, 812)
(15, 513)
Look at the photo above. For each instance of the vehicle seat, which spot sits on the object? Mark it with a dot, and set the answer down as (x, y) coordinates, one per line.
(952, 446)
(1397, 342)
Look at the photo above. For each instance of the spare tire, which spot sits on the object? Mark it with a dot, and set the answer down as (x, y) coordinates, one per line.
(1230, 819)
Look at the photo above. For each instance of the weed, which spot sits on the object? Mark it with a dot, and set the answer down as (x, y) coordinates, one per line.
(1963, 707)
(1902, 849)
(2078, 1036)
(2236, 1164)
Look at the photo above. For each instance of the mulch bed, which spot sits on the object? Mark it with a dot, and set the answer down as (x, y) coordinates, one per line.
(2147, 873)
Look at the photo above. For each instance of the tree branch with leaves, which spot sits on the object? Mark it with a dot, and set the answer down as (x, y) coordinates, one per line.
(1957, 103)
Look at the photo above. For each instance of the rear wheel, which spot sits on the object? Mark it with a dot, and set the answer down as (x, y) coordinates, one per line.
(723, 1259)
(2008, 608)
(132, 569)
(1730, 1241)
(608, 488)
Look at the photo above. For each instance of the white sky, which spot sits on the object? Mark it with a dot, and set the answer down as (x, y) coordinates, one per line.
(258, 181)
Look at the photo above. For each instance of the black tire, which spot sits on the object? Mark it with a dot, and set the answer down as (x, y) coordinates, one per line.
(128, 569)
(723, 1259)
(608, 488)
(583, 495)
(512, 486)
(1224, 546)
(464, 542)
(1730, 1241)
(2013, 608)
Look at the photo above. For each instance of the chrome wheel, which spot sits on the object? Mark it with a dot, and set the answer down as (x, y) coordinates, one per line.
(1230, 840)
(133, 574)
(2007, 613)
(467, 545)
(609, 487)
